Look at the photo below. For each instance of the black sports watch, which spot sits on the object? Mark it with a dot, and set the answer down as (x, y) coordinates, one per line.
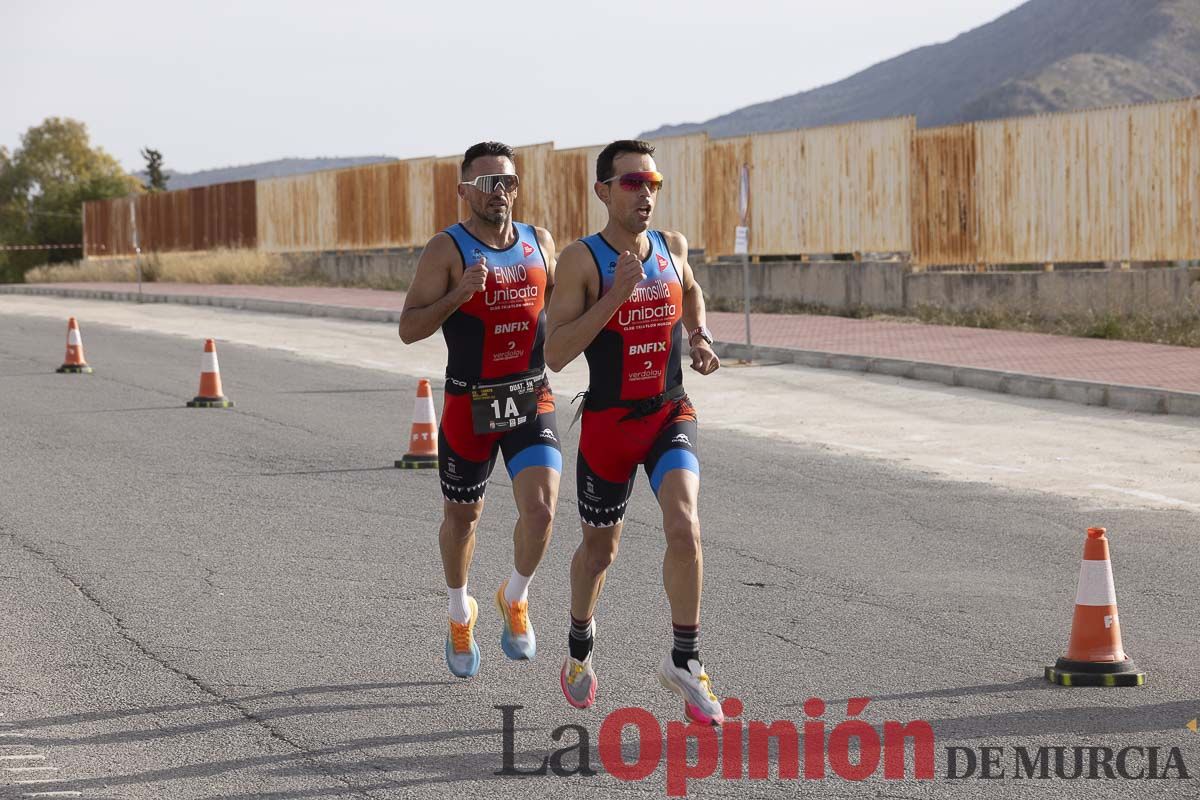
(703, 332)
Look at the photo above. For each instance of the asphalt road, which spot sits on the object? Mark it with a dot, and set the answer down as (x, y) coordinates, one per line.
(248, 603)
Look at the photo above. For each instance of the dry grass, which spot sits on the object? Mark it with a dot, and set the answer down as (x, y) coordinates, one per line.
(216, 266)
(91, 271)
(1180, 328)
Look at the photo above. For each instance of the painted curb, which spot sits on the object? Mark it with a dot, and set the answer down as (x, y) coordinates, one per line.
(1144, 399)
(237, 303)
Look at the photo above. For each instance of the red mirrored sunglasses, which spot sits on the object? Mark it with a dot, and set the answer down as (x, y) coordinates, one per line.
(632, 181)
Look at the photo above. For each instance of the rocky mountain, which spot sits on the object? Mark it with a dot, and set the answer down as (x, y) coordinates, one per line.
(1043, 56)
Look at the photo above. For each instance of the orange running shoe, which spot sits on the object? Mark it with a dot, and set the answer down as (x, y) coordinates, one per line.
(462, 654)
(517, 639)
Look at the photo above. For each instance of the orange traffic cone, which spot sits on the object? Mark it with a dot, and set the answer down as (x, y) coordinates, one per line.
(1095, 655)
(210, 381)
(74, 361)
(422, 443)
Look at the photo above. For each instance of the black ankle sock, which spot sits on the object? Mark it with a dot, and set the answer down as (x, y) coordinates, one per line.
(580, 641)
(681, 658)
(687, 644)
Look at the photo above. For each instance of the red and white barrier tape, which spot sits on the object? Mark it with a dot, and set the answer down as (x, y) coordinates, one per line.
(40, 246)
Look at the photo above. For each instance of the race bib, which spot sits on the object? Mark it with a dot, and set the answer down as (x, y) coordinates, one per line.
(503, 406)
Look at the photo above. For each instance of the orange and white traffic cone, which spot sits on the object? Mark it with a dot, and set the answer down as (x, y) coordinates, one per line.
(74, 361)
(422, 443)
(210, 381)
(1095, 655)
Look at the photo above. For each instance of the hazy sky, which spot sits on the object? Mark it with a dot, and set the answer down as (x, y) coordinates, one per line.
(217, 83)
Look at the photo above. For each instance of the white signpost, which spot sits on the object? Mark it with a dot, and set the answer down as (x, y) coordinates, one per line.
(137, 246)
(741, 246)
(741, 240)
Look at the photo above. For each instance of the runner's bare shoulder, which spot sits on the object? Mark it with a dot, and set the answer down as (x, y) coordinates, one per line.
(575, 263)
(677, 243)
(442, 250)
(543, 236)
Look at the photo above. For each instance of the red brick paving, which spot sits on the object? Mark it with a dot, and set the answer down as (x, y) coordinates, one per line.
(1104, 361)
(1126, 363)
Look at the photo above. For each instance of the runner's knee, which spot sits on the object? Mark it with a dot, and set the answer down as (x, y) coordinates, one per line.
(461, 518)
(683, 536)
(600, 555)
(537, 517)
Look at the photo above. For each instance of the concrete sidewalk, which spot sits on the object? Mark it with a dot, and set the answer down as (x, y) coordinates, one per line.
(1123, 375)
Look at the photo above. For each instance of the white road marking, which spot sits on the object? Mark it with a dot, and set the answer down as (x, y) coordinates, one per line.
(858, 447)
(1144, 495)
(1001, 468)
(26, 757)
(53, 794)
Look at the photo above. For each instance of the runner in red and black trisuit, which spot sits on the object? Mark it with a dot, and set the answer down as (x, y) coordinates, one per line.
(484, 282)
(624, 298)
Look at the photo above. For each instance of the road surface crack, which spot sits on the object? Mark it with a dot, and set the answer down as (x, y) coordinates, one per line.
(128, 635)
(799, 645)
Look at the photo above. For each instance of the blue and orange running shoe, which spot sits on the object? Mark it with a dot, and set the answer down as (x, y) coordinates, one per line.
(462, 654)
(517, 638)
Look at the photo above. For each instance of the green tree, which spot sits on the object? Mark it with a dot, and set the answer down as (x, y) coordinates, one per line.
(43, 186)
(154, 160)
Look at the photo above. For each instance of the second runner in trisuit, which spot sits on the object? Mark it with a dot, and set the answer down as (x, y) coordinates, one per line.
(624, 298)
(484, 282)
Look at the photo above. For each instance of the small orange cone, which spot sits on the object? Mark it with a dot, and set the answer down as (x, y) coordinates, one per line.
(74, 361)
(422, 443)
(1095, 655)
(210, 381)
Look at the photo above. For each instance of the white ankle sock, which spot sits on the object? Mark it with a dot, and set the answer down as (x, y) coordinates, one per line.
(458, 604)
(517, 587)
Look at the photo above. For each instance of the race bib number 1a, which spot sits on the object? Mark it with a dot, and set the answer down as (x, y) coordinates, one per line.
(503, 406)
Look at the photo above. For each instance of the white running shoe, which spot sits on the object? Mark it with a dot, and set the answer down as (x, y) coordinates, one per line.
(694, 686)
(578, 680)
